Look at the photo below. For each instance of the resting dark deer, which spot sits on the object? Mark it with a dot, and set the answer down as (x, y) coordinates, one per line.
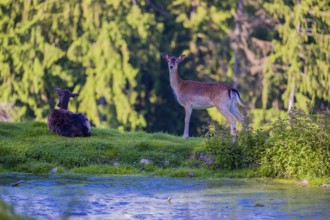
(66, 123)
(200, 95)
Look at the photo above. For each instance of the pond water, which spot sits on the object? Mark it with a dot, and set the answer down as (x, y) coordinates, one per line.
(141, 197)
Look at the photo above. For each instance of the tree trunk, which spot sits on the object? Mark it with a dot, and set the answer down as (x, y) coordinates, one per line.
(291, 97)
(237, 32)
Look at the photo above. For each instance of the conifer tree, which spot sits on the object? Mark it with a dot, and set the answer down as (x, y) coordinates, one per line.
(300, 59)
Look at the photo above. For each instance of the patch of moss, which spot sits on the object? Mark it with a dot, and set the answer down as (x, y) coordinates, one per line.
(106, 169)
(183, 172)
(38, 168)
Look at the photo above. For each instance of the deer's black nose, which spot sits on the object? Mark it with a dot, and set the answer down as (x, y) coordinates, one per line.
(171, 67)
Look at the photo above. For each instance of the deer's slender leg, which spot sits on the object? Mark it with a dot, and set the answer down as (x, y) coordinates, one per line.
(224, 110)
(188, 111)
(233, 110)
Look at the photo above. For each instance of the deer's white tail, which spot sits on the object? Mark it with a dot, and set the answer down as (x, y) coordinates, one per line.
(234, 99)
(235, 96)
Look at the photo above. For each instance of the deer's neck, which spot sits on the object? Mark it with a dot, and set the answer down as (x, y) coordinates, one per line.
(63, 105)
(175, 81)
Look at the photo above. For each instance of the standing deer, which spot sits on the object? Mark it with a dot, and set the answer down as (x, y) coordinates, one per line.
(200, 95)
(66, 123)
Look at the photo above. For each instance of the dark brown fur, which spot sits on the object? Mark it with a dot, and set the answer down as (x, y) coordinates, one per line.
(68, 124)
(65, 123)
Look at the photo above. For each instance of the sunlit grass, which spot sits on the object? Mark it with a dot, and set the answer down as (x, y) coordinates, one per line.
(30, 147)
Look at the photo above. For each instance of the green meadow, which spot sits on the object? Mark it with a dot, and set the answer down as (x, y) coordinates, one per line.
(31, 148)
(287, 151)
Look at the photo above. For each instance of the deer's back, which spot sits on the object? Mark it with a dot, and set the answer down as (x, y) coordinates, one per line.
(69, 124)
(202, 94)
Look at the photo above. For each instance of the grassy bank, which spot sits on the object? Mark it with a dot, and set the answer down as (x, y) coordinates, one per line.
(30, 148)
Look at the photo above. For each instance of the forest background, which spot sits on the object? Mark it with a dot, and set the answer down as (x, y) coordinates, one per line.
(276, 53)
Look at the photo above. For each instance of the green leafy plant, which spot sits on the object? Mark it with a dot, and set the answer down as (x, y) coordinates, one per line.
(235, 153)
(298, 147)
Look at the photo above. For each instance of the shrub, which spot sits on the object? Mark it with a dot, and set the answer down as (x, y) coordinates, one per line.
(245, 152)
(298, 147)
(252, 142)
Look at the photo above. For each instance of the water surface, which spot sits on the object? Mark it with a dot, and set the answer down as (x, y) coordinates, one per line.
(140, 197)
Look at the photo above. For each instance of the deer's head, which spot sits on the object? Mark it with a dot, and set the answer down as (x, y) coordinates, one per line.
(64, 97)
(173, 61)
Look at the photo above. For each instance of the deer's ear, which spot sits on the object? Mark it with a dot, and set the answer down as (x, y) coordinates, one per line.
(74, 95)
(181, 58)
(58, 91)
(165, 56)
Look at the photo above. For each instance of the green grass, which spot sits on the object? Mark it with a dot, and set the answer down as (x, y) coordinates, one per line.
(29, 147)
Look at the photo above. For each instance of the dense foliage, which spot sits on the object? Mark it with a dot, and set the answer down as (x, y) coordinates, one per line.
(244, 151)
(299, 147)
(294, 148)
(275, 52)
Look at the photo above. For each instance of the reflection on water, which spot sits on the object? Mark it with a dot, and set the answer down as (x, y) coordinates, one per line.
(139, 197)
